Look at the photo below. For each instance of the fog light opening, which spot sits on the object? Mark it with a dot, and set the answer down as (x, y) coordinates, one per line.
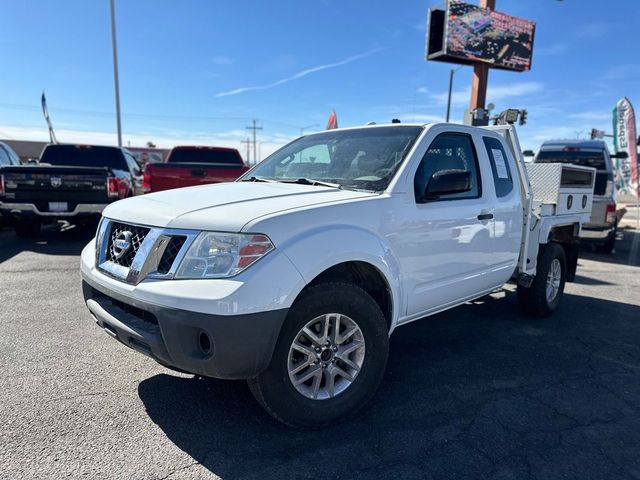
(205, 343)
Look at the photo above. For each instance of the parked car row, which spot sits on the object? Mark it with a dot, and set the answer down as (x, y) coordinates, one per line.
(76, 182)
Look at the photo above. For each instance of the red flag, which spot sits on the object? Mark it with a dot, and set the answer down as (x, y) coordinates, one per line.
(333, 121)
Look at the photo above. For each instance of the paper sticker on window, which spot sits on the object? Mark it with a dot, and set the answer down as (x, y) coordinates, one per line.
(501, 167)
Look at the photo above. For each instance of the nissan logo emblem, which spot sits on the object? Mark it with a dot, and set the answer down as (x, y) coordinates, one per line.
(56, 182)
(122, 243)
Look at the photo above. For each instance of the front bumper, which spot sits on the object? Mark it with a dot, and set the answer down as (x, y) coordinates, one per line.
(240, 316)
(220, 346)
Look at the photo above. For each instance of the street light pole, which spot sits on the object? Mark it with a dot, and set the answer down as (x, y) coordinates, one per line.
(451, 74)
(115, 70)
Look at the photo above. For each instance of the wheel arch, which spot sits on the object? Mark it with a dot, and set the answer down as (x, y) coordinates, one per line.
(367, 277)
(351, 254)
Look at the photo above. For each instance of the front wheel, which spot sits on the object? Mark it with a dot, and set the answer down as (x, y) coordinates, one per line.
(543, 296)
(329, 359)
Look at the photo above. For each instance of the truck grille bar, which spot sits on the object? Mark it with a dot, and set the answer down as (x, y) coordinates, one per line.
(132, 253)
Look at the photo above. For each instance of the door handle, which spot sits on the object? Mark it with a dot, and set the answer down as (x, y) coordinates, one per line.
(198, 173)
(485, 216)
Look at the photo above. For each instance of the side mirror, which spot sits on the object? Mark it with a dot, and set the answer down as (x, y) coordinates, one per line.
(447, 182)
(620, 155)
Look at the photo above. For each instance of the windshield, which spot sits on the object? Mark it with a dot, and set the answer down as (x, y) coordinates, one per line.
(583, 158)
(205, 155)
(364, 158)
(84, 156)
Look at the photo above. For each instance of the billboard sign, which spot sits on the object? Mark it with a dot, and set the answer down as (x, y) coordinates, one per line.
(468, 34)
(625, 140)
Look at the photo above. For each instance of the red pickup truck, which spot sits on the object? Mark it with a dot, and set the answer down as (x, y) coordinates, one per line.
(187, 166)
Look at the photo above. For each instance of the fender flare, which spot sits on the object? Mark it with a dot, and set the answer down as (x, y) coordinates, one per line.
(318, 249)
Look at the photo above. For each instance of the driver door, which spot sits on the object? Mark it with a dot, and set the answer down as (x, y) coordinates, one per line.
(445, 248)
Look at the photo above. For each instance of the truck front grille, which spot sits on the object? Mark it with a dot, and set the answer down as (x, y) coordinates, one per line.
(116, 254)
(170, 253)
(132, 253)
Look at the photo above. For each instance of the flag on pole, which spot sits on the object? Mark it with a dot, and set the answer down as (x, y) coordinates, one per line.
(45, 112)
(625, 139)
(333, 121)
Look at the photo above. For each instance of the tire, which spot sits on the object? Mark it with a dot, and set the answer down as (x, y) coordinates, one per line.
(293, 405)
(609, 245)
(27, 228)
(535, 299)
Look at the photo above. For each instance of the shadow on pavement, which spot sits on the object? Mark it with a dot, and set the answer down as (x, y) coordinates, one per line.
(627, 250)
(60, 239)
(478, 391)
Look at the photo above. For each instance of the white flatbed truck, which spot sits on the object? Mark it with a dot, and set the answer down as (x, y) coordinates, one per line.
(294, 276)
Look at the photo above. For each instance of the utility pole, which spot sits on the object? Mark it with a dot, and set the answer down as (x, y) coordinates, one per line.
(248, 143)
(115, 70)
(480, 79)
(255, 145)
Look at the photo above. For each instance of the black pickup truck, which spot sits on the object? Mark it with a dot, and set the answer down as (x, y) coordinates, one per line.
(70, 182)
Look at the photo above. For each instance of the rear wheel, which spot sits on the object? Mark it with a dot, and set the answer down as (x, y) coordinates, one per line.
(27, 228)
(543, 296)
(329, 359)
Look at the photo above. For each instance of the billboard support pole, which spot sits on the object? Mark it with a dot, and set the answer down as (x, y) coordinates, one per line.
(479, 82)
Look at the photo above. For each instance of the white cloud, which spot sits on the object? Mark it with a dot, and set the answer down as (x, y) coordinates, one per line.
(422, 90)
(222, 60)
(166, 139)
(494, 93)
(593, 116)
(555, 49)
(300, 74)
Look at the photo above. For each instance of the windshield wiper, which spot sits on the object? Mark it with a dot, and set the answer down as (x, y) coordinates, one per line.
(258, 179)
(311, 181)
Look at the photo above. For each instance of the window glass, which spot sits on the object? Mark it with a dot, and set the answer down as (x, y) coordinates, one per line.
(449, 151)
(502, 178)
(227, 156)
(84, 156)
(361, 158)
(131, 162)
(4, 157)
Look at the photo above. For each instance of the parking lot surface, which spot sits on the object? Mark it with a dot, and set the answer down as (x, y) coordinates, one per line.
(481, 391)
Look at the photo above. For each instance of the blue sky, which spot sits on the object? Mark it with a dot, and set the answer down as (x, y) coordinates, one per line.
(184, 66)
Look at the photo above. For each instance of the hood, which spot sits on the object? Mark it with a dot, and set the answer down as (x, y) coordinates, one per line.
(223, 206)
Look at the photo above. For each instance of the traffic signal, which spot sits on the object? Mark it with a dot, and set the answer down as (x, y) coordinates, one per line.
(594, 133)
(523, 117)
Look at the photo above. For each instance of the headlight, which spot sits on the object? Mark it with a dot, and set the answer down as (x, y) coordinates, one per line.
(220, 255)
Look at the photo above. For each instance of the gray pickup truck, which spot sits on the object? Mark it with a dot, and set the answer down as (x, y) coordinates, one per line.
(601, 228)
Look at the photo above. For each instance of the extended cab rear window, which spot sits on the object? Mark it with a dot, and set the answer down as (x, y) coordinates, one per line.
(205, 155)
(84, 156)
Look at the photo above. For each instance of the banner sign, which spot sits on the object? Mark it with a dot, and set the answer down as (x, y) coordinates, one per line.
(468, 34)
(625, 140)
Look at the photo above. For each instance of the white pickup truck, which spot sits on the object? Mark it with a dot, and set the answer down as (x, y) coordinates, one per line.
(294, 276)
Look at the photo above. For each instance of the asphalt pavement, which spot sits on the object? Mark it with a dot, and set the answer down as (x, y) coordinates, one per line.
(481, 391)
